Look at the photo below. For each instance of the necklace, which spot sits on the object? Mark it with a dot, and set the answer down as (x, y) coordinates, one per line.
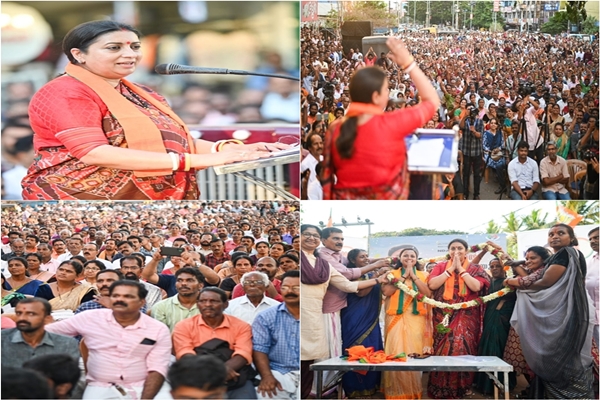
(60, 294)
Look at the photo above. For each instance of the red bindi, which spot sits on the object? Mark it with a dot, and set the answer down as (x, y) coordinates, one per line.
(128, 42)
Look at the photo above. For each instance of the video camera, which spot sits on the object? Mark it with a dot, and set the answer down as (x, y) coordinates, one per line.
(525, 88)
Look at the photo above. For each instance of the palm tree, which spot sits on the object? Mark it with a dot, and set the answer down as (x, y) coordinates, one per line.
(493, 227)
(513, 225)
(588, 209)
(535, 220)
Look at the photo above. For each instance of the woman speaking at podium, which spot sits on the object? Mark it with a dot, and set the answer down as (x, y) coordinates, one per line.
(365, 154)
(101, 137)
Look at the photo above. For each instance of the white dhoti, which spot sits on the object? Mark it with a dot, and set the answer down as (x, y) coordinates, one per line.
(290, 383)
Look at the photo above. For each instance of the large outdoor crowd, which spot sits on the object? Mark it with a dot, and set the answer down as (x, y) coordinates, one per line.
(546, 327)
(155, 299)
(525, 106)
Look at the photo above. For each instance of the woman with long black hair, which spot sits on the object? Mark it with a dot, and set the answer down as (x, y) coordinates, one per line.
(365, 153)
(554, 319)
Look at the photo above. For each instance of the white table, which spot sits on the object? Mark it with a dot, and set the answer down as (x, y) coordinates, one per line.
(486, 364)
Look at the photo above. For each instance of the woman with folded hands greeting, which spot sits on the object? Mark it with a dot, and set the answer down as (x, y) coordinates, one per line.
(456, 281)
(98, 136)
(365, 153)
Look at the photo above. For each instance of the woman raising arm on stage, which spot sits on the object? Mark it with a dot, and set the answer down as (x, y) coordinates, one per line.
(365, 154)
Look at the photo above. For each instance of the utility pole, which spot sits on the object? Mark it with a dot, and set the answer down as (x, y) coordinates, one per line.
(428, 15)
(471, 24)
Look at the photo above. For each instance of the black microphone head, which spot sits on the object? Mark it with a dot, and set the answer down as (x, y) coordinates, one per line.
(162, 69)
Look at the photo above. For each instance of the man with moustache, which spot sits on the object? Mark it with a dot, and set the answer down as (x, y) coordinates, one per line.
(30, 339)
(554, 174)
(58, 248)
(212, 323)
(48, 263)
(110, 250)
(188, 282)
(270, 267)
(104, 279)
(276, 343)
(131, 267)
(218, 255)
(17, 248)
(90, 252)
(205, 240)
(129, 352)
(168, 282)
(74, 247)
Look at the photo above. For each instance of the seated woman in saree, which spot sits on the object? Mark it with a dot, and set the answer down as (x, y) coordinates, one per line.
(10, 298)
(456, 281)
(365, 153)
(66, 293)
(34, 260)
(98, 136)
(317, 275)
(360, 326)
(496, 325)
(19, 281)
(408, 325)
(554, 318)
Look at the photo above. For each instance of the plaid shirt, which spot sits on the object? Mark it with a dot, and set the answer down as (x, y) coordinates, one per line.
(212, 261)
(469, 144)
(276, 333)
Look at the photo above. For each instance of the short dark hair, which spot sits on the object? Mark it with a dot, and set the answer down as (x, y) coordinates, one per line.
(593, 230)
(142, 291)
(131, 257)
(294, 273)
(83, 35)
(20, 383)
(37, 239)
(216, 290)
(59, 368)
(205, 372)
(105, 271)
(217, 240)
(44, 302)
(522, 145)
(123, 242)
(328, 231)
(290, 256)
(192, 271)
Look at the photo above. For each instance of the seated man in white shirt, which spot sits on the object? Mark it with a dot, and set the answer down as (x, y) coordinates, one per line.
(246, 307)
(555, 175)
(523, 175)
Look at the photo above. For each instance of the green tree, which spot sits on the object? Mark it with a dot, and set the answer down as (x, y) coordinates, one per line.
(374, 11)
(493, 227)
(535, 220)
(590, 25)
(512, 226)
(483, 15)
(441, 12)
(557, 24)
(576, 13)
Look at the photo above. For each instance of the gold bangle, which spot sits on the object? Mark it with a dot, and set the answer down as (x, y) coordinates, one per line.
(188, 162)
(228, 141)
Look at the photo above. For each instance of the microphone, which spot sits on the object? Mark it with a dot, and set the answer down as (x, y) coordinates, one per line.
(176, 69)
